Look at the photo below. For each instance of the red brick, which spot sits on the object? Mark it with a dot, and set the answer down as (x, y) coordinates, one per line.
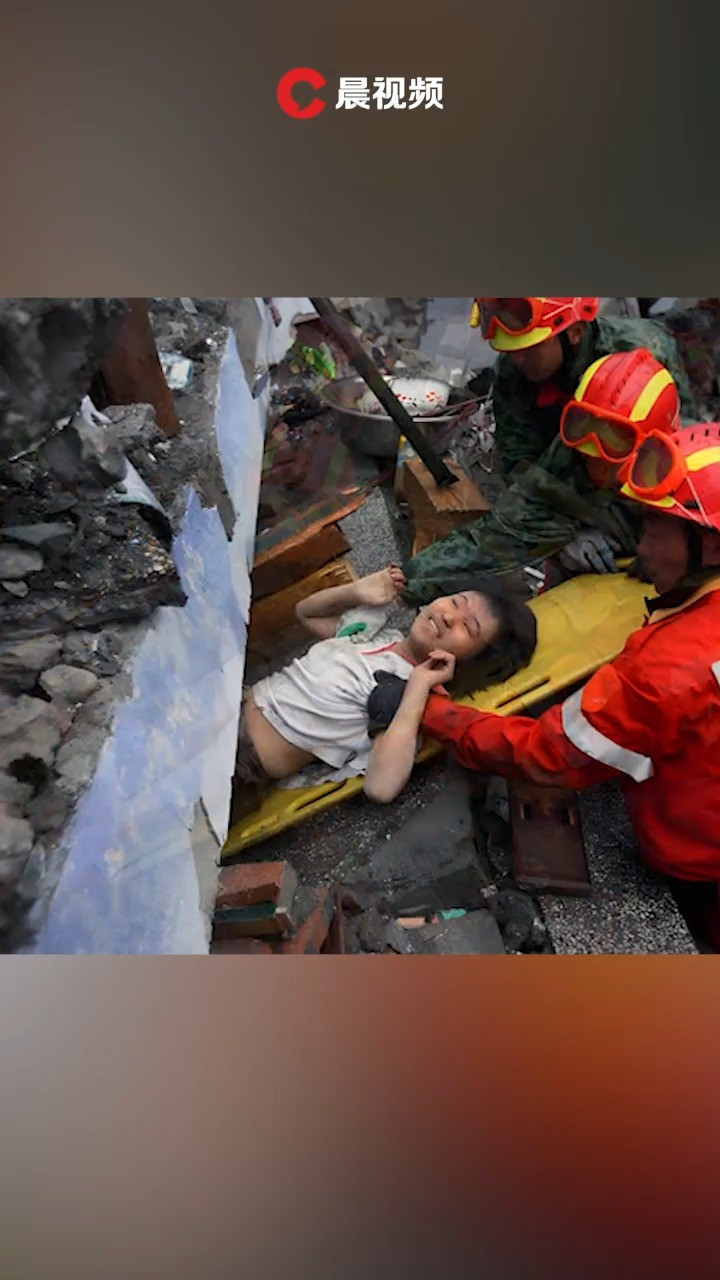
(249, 883)
(258, 927)
(240, 947)
(313, 932)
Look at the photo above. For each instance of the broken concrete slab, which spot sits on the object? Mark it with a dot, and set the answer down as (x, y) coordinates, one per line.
(85, 453)
(431, 859)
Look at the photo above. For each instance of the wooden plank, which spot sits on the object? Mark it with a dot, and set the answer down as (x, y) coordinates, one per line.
(316, 516)
(437, 511)
(296, 558)
(272, 620)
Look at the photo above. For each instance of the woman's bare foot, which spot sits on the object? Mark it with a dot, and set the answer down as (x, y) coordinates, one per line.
(381, 588)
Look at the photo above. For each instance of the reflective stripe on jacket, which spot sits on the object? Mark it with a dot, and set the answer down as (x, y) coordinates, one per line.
(650, 719)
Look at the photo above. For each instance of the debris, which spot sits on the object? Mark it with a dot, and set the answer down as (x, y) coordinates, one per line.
(73, 684)
(352, 902)
(373, 932)
(335, 943)
(131, 370)
(133, 425)
(48, 810)
(177, 368)
(20, 663)
(77, 759)
(13, 794)
(84, 454)
(476, 933)
(29, 728)
(51, 537)
(18, 589)
(397, 939)
(319, 360)
(16, 841)
(251, 883)
(311, 935)
(548, 849)
(260, 920)
(519, 918)
(51, 349)
(15, 563)
(240, 947)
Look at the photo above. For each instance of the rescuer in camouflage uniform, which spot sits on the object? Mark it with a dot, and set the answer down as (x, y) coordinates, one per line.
(697, 332)
(551, 503)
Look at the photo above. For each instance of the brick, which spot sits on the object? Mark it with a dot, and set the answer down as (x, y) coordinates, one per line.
(259, 921)
(249, 883)
(240, 947)
(312, 934)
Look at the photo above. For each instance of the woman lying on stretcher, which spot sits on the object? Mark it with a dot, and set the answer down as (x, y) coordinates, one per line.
(315, 710)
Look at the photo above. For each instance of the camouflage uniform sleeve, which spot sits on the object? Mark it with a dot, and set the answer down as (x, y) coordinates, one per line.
(513, 429)
(668, 354)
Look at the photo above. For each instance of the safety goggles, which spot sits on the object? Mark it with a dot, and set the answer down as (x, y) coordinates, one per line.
(614, 437)
(515, 316)
(657, 468)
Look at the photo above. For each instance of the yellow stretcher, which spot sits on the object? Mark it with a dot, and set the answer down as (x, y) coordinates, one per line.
(581, 624)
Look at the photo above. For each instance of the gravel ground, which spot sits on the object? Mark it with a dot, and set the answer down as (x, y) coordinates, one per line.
(379, 535)
(333, 845)
(630, 911)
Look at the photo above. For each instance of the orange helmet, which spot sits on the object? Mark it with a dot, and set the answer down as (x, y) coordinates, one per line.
(679, 475)
(513, 324)
(619, 399)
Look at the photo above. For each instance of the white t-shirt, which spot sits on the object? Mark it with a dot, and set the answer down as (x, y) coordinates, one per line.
(319, 702)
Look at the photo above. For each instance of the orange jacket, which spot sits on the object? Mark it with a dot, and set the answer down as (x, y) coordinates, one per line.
(650, 719)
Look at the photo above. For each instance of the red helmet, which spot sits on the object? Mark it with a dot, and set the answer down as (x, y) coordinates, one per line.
(679, 474)
(619, 399)
(513, 324)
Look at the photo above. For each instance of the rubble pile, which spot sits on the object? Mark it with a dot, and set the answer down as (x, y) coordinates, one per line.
(77, 573)
(50, 350)
(84, 563)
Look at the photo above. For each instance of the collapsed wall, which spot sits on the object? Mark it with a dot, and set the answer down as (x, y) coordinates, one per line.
(123, 622)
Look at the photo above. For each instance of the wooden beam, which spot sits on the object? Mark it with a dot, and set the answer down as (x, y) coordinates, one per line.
(296, 558)
(132, 373)
(273, 628)
(436, 510)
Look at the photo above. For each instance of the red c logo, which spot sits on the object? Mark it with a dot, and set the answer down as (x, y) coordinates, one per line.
(300, 75)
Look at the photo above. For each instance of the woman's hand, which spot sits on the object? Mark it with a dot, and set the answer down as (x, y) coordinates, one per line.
(438, 668)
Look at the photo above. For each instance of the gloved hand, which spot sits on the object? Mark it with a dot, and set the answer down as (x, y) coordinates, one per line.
(384, 701)
(590, 552)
